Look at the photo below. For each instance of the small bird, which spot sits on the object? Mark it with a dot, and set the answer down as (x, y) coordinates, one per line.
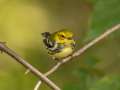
(59, 44)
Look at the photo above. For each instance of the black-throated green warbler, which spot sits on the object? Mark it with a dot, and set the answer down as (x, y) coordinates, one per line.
(59, 44)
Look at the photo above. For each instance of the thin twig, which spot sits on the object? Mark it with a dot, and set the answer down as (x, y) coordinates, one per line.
(53, 69)
(23, 62)
(84, 48)
(47, 74)
(81, 50)
(37, 85)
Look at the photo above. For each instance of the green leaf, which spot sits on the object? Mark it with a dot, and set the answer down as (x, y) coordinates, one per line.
(105, 15)
(107, 83)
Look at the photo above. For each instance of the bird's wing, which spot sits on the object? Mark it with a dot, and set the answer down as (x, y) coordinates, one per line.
(53, 46)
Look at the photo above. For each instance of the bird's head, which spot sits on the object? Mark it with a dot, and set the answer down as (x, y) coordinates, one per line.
(64, 36)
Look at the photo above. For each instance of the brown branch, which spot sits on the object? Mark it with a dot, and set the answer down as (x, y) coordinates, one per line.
(23, 62)
(81, 51)
(53, 69)
(84, 48)
(47, 74)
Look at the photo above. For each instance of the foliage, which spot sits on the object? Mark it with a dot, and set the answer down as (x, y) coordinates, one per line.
(107, 83)
(22, 21)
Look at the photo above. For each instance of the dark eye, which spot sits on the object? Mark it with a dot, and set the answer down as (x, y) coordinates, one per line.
(62, 36)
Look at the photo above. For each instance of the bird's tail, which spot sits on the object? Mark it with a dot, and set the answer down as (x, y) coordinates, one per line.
(46, 34)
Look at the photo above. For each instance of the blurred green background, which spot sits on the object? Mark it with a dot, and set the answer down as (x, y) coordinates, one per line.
(21, 25)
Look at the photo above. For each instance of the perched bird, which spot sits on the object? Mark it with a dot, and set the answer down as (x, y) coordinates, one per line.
(59, 44)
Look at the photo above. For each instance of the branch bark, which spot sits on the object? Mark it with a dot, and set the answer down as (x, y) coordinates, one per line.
(83, 49)
(43, 77)
(19, 59)
(80, 51)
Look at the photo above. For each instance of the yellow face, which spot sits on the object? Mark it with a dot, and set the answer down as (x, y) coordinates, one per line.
(64, 36)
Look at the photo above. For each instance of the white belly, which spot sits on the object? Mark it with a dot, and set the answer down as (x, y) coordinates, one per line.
(64, 53)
